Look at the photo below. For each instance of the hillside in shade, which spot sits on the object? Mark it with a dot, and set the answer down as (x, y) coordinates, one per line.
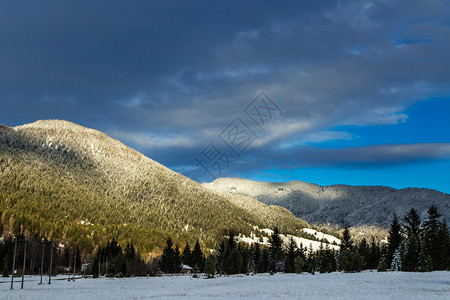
(337, 204)
(77, 185)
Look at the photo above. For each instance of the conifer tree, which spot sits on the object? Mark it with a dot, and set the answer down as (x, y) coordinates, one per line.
(374, 255)
(197, 257)
(425, 262)
(382, 267)
(256, 256)
(299, 264)
(346, 242)
(412, 222)
(412, 230)
(311, 262)
(95, 273)
(245, 258)
(169, 260)
(394, 239)
(291, 254)
(357, 262)
(263, 263)
(130, 252)
(444, 249)
(364, 250)
(396, 264)
(276, 250)
(431, 243)
(186, 256)
(210, 267)
(220, 258)
(234, 264)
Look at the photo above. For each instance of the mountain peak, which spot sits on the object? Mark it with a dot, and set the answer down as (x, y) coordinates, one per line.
(57, 124)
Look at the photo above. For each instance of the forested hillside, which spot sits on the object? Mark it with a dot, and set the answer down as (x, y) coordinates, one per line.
(77, 185)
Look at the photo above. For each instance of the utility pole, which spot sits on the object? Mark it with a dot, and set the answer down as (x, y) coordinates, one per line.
(70, 264)
(74, 264)
(14, 262)
(24, 263)
(51, 266)
(42, 261)
(99, 262)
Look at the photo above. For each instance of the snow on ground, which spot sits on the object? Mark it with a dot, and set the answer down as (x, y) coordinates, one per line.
(365, 285)
(321, 235)
(307, 243)
(300, 241)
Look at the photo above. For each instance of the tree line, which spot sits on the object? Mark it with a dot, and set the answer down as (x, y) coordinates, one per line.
(413, 244)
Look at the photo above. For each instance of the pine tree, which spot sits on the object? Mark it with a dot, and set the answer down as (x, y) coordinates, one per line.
(382, 267)
(346, 242)
(95, 263)
(263, 263)
(169, 260)
(276, 250)
(396, 264)
(299, 264)
(291, 254)
(412, 230)
(411, 227)
(220, 258)
(311, 261)
(210, 267)
(364, 251)
(444, 249)
(425, 261)
(234, 264)
(130, 252)
(197, 257)
(330, 258)
(394, 239)
(357, 262)
(256, 256)
(431, 245)
(245, 258)
(186, 256)
(374, 255)
(345, 260)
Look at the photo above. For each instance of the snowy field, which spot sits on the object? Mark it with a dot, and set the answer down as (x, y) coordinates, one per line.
(366, 285)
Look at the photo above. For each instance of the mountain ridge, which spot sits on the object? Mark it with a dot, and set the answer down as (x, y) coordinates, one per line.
(64, 181)
(340, 204)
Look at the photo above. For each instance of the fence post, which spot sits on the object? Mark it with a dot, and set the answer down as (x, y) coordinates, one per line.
(24, 263)
(51, 266)
(42, 261)
(14, 262)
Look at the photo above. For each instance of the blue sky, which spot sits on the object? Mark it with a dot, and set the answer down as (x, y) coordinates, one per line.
(350, 92)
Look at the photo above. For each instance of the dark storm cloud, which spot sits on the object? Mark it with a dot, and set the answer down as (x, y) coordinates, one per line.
(355, 157)
(168, 76)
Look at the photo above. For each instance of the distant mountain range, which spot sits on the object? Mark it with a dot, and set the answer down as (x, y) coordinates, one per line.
(337, 204)
(78, 185)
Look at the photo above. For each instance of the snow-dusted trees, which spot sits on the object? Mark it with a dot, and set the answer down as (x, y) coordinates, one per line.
(419, 247)
(394, 239)
(276, 252)
(291, 254)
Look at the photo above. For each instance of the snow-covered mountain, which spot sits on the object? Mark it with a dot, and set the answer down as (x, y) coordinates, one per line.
(67, 182)
(337, 204)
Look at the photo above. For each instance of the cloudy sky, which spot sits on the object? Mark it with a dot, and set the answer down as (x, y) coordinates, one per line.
(352, 92)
